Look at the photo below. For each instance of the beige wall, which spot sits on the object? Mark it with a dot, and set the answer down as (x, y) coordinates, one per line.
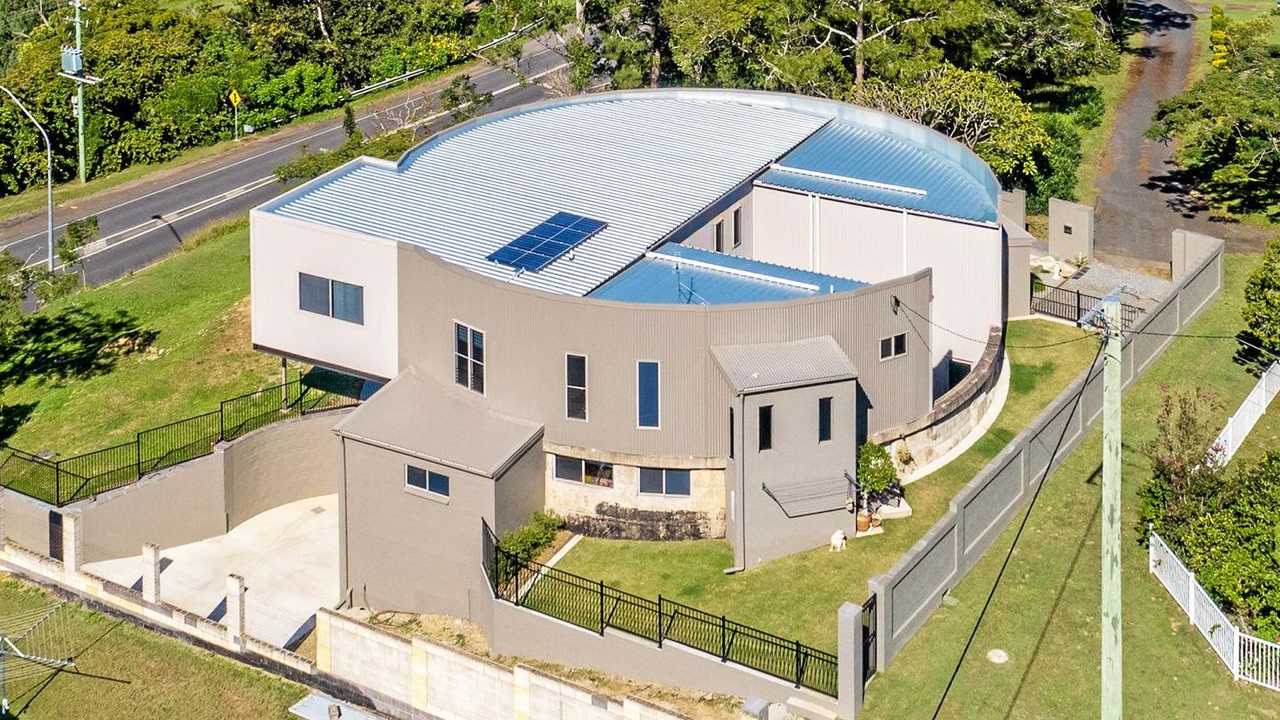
(1070, 229)
(25, 521)
(863, 243)
(281, 463)
(782, 228)
(520, 491)
(281, 248)
(705, 238)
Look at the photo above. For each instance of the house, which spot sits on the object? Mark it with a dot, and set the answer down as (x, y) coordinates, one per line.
(662, 314)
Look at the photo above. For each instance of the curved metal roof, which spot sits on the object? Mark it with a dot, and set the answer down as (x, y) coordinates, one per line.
(644, 162)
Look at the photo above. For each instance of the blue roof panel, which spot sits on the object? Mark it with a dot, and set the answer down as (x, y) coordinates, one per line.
(682, 275)
(847, 160)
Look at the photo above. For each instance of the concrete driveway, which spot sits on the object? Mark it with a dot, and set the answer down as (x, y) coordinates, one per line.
(288, 557)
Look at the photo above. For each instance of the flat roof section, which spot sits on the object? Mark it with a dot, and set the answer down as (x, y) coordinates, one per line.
(761, 367)
(681, 275)
(849, 161)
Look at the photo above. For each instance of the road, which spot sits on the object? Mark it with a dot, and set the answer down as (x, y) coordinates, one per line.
(1141, 199)
(143, 221)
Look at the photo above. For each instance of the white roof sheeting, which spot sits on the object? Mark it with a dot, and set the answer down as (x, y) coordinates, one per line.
(643, 163)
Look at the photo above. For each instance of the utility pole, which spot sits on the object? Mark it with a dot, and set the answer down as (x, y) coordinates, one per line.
(1106, 316)
(73, 69)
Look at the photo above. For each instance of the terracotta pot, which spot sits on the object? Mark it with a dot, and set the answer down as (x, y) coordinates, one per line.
(864, 521)
(875, 521)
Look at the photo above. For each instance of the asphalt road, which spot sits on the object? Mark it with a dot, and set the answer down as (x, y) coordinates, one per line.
(140, 222)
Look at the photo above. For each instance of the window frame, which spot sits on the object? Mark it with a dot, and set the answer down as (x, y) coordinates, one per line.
(718, 235)
(428, 476)
(328, 294)
(764, 428)
(892, 340)
(471, 362)
(333, 311)
(658, 390)
(586, 384)
(582, 471)
(825, 418)
(737, 227)
(662, 480)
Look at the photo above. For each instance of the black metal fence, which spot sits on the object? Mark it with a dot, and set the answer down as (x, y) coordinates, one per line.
(1069, 304)
(67, 480)
(869, 638)
(595, 606)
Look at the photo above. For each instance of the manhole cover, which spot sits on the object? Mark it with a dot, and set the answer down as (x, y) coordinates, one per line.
(998, 656)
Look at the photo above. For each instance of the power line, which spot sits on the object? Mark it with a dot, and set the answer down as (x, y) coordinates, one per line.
(984, 341)
(1012, 546)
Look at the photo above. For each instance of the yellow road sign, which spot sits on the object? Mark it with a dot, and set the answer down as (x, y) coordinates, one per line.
(235, 98)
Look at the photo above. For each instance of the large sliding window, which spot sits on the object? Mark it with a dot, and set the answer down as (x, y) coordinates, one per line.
(575, 387)
(332, 298)
(648, 394)
(588, 472)
(468, 357)
(657, 481)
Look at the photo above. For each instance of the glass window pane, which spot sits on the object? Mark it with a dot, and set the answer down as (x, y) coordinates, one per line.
(460, 339)
(720, 236)
(416, 477)
(597, 473)
(576, 403)
(575, 371)
(886, 349)
(677, 482)
(313, 294)
(766, 427)
(348, 302)
(824, 419)
(647, 401)
(900, 344)
(737, 227)
(477, 346)
(477, 377)
(730, 432)
(568, 468)
(438, 484)
(460, 374)
(650, 480)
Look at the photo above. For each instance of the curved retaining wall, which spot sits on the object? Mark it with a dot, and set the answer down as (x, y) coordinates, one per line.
(280, 463)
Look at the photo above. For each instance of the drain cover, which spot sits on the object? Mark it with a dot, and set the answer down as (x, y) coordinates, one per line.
(317, 510)
(998, 656)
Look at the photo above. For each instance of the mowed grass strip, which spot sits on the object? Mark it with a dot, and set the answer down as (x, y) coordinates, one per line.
(1045, 614)
(797, 596)
(124, 671)
(159, 345)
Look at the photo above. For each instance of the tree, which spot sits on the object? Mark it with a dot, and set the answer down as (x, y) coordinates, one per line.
(1262, 298)
(1186, 471)
(463, 100)
(876, 472)
(349, 125)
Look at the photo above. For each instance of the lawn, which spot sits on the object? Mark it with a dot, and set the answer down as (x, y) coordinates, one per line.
(124, 671)
(797, 596)
(1045, 615)
(158, 345)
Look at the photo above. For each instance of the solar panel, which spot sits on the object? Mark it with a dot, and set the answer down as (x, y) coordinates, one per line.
(542, 245)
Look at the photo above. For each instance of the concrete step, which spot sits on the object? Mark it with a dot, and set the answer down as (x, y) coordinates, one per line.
(810, 709)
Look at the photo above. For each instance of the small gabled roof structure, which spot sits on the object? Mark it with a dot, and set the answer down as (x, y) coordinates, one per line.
(416, 416)
(764, 367)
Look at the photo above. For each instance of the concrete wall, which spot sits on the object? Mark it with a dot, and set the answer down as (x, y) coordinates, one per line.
(1188, 249)
(520, 491)
(528, 333)
(1017, 299)
(1070, 229)
(281, 248)
(910, 591)
(27, 521)
(1013, 205)
(279, 464)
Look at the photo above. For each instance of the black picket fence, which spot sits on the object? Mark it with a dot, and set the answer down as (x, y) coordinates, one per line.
(1069, 304)
(595, 606)
(67, 480)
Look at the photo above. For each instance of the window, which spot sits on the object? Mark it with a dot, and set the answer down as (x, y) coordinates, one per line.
(720, 236)
(332, 298)
(730, 433)
(647, 394)
(892, 347)
(737, 227)
(656, 481)
(766, 427)
(824, 419)
(575, 387)
(428, 480)
(589, 472)
(348, 302)
(1066, 229)
(468, 356)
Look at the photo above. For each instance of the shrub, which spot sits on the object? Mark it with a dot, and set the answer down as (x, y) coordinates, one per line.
(534, 536)
(1058, 166)
(1186, 475)
(1262, 298)
(876, 472)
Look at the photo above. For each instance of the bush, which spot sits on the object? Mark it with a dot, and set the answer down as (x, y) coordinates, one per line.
(876, 472)
(1186, 474)
(534, 536)
(1262, 298)
(1059, 166)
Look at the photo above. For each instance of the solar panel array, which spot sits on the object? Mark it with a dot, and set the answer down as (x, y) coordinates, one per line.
(545, 243)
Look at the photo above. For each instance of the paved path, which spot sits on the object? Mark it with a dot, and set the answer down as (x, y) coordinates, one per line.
(1140, 201)
(144, 220)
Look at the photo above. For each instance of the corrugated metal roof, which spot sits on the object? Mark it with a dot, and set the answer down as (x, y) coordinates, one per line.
(847, 160)
(641, 163)
(771, 366)
(679, 274)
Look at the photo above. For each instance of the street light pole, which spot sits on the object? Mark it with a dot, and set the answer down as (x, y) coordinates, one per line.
(48, 150)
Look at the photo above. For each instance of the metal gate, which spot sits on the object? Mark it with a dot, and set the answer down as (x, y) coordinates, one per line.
(868, 639)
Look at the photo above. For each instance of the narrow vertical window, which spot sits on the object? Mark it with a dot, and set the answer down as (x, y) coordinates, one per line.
(575, 387)
(737, 227)
(824, 419)
(468, 357)
(730, 433)
(720, 236)
(648, 400)
(766, 427)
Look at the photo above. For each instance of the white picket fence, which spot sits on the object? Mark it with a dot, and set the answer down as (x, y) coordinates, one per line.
(1250, 411)
(1247, 657)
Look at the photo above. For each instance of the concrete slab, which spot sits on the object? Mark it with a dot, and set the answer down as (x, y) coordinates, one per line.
(288, 557)
(316, 707)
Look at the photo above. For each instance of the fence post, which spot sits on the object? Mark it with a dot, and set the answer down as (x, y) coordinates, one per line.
(1077, 305)
(137, 454)
(57, 483)
(1191, 597)
(222, 421)
(1235, 656)
(724, 641)
(851, 655)
(601, 586)
(799, 664)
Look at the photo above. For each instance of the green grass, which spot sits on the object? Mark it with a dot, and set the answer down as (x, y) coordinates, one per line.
(1045, 614)
(797, 596)
(123, 671)
(158, 345)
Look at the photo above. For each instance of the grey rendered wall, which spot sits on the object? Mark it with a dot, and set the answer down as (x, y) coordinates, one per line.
(25, 521)
(1077, 217)
(909, 592)
(1013, 205)
(407, 551)
(521, 490)
(280, 464)
(528, 333)
(1017, 299)
(764, 530)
